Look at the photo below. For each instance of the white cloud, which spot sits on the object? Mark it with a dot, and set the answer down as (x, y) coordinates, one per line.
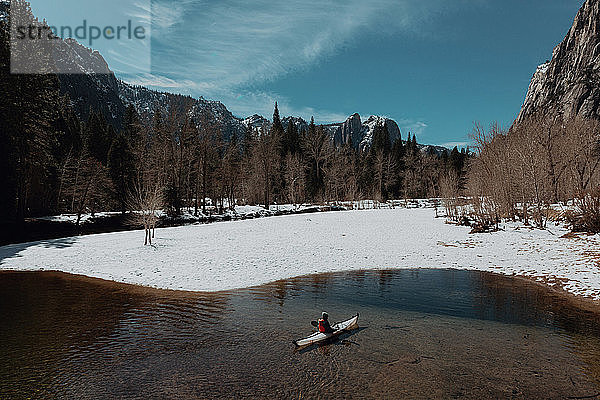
(451, 145)
(225, 49)
(233, 45)
(415, 127)
(184, 86)
(240, 42)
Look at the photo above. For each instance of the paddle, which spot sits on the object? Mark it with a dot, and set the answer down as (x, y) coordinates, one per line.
(314, 323)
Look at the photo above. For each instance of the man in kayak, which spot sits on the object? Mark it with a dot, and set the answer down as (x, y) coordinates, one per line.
(324, 326)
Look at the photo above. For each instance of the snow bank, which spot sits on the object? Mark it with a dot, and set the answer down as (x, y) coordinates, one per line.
(238, 254)
(85, 218)
(187, 215)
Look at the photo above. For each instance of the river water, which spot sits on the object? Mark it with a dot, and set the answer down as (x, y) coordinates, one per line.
(423, 334)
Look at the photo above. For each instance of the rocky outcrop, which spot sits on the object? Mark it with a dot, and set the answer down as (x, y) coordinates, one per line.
(350, 131)
(90, 83)
(300, 124)
(569, 84)
(360, 134)
(368, 127)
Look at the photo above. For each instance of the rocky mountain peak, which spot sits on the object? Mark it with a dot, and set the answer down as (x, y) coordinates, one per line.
(350, 130)
(300, 123)
(569, 84)
(256, 122)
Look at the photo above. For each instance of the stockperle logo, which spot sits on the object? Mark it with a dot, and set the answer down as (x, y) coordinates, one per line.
(67, 36)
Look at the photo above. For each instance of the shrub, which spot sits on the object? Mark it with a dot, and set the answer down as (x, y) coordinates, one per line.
(586, 216)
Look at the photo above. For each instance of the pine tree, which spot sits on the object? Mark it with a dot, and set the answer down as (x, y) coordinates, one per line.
(122, 168)
(27, 132)
(381, 139)
(445, 159)
(277, 126)
(312, 128)
(413, 146)
(97, 141)
(132, 126)
(248, 140)
(398, 150)
(398, 154)
(292, 139)
(456, 160)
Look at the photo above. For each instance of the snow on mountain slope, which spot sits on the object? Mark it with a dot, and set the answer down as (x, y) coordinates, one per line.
(91, 85)
(368, 127)
(353, 130)
(300, 124)
(257, 122)
(147, 101)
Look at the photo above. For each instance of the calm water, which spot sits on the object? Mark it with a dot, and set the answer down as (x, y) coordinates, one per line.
(424, 334)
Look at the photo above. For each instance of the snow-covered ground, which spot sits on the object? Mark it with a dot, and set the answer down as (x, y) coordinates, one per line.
(228, 255)
(85, 218)
(240, 212)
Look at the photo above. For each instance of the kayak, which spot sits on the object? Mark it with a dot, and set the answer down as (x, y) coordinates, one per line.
(338, 329)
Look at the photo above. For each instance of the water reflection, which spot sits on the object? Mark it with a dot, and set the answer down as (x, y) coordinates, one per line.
(52, 323)
(429, 333)
(505, 299)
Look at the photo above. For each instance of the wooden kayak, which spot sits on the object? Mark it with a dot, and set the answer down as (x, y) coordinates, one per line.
(338, 329)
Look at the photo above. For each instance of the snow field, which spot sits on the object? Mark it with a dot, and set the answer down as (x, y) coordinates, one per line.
(237, 254)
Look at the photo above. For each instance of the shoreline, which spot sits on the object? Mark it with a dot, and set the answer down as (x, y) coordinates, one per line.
(240, 254)
(64, 225)
(580, 302)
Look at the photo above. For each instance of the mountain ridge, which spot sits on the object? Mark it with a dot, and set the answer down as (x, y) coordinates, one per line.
(110, 96)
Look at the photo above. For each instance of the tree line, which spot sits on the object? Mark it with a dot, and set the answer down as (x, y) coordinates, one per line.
(520, 173)
(57, 163)
(53, 161)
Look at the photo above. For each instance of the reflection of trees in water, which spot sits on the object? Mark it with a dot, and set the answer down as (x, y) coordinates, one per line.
(500, 298)
(517, 300)
(317, 284)
(385, 277)
(510, 299)
(321, 282)
(357, 276)
(276, 291)
(48, 318)
(44, 315)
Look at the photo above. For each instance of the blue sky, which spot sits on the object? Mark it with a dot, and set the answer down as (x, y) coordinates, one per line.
(434, 66)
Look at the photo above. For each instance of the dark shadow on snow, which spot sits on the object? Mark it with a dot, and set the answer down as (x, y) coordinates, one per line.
(12, 250)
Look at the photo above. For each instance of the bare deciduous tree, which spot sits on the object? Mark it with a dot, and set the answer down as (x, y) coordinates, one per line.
(295, 177)
(543, 160)
(265, 160)
(145, 201)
